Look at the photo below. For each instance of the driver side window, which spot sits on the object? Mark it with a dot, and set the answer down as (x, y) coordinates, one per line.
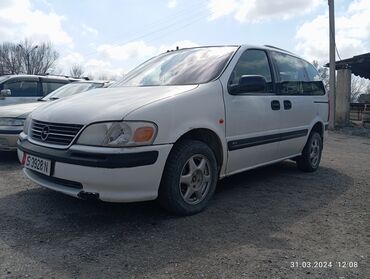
(252, 62)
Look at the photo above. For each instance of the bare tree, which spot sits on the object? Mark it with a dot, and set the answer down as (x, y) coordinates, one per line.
(358, 86)
(27, 58)
(323, 73)
(315, 63)
(102, 76)
(76, 71)
(10, 59)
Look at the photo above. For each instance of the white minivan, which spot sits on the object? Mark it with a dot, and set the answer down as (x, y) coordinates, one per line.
(176, 124)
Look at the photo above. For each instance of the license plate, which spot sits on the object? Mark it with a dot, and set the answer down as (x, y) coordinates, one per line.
(37, 164)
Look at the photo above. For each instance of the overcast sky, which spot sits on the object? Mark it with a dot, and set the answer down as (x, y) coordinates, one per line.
(113, 36)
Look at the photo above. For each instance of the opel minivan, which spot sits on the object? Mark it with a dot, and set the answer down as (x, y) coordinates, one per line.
(176, 124)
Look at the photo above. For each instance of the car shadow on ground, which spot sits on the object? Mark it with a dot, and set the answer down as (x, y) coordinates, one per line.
(248, 209)
(8, 157)
(9, 161)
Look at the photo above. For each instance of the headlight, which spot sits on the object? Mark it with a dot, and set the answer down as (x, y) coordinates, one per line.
(11, 121)
(118, 134)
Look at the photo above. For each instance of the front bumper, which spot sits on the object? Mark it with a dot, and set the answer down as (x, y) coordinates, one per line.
(112, 174)
(8, 140)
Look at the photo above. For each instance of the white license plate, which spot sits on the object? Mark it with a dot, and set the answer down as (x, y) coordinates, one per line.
(37, 164)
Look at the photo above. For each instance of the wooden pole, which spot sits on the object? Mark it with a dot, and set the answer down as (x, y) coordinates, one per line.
(332, 65)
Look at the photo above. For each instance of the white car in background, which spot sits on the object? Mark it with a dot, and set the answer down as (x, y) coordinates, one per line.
(12, 117)
(176, 124)
(19, 89)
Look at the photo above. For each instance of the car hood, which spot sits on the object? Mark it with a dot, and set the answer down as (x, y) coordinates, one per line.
(104, 104)
(19, 110)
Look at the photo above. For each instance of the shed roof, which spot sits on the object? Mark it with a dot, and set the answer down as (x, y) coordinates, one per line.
(359, 64)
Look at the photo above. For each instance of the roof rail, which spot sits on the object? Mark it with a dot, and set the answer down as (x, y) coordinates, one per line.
(278, 48)
(65, 76)
(54, 75)
(170, 50)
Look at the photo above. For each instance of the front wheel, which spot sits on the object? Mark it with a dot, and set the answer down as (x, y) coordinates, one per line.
(309, 161)
(189, 179)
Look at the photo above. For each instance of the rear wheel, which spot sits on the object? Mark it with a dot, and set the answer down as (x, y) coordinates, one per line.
(189, 179)
(309, 161)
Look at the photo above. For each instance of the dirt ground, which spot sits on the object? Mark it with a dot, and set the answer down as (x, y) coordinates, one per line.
(258, 225)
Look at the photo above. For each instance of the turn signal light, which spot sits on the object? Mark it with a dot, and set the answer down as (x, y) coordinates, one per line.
(143, 134)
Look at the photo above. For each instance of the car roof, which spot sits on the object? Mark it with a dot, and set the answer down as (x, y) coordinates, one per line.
(88, 81)
(44, 77)
(38, 76)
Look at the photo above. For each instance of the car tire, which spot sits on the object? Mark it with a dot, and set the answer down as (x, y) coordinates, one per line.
(309, 161)
(189, 179)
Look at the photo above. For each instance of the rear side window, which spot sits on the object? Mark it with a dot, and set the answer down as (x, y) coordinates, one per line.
(296, 77)
(48, 87)
(22, 88)
(313, 75)
(252, 62)
(314, 86)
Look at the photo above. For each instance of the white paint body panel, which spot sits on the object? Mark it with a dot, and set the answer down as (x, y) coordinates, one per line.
(104, 104)
(199, 108)
(177, 110)
(6, 101)
(240, 110)
(249, 116)
(299, 117)
(19, 110)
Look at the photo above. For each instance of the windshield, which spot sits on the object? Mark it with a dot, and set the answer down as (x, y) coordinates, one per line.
(180, 67)
(71, 89)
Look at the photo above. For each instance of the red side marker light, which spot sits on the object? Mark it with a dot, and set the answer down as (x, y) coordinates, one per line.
(24, 159)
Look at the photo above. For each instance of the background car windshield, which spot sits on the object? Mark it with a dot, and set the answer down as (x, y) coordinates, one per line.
(181, 67)
(71, 89)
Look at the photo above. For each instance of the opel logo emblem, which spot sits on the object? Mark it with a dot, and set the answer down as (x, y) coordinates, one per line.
(45, 133)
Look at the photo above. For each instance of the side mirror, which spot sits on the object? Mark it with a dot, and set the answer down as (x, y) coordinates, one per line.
(249, 84)
(5, 93)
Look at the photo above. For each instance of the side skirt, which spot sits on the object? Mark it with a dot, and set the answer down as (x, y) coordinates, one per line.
(260, 165)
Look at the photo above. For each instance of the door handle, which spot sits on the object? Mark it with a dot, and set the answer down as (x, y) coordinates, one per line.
(275, 105)
(287, 104)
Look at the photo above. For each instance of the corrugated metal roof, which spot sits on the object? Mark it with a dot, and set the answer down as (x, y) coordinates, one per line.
(359, 65)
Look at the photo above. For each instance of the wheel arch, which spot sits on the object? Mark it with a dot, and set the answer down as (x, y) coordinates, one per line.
(318, 127)
(210, 138)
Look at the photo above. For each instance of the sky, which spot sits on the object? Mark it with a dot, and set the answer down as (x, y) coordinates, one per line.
(110, 37)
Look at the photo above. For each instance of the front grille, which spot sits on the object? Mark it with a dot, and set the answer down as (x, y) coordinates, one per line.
(54, 133)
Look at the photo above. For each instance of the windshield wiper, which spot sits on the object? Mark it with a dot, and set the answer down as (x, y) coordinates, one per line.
(53, 98)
